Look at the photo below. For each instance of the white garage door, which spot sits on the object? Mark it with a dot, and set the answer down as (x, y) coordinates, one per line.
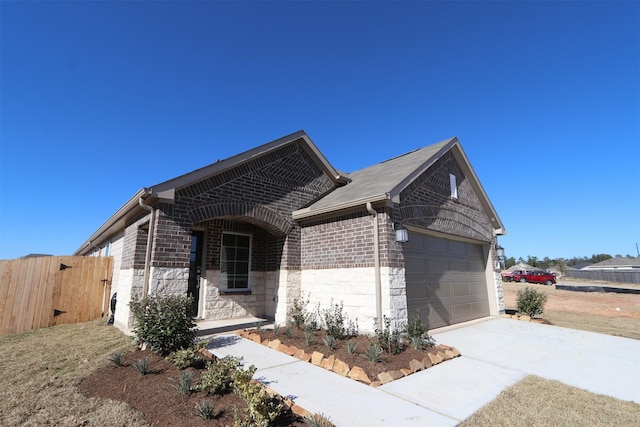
(445, 280)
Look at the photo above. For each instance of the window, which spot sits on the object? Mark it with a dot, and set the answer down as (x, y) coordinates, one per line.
(235, 261)
(454, 186)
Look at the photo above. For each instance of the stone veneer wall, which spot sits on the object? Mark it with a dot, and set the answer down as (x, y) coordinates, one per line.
(355, 288)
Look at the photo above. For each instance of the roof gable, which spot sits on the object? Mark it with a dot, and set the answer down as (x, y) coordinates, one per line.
(385, 181)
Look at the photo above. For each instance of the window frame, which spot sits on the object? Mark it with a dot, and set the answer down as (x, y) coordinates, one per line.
(224, 283)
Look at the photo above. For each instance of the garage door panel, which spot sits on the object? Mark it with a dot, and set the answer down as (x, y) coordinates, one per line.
(454, 282)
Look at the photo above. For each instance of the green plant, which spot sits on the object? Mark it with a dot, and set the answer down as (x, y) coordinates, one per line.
(373, 353)
(276, 328)
(416, 332)
(288, 332)
(218, 377)
(329, 341)
(261, 409)
(308, 336)
(530, 301)
(142, 365)
(163, 322)
(204, 410)
(389, 340)
(258, 326)
(116, 358)
(186, 357)
(351, 347)
(334, 320)
(318, 420)
(298, 314)
(185, 384)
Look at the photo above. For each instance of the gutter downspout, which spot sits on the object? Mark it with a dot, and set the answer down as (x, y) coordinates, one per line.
(376, 252)
(147, 258)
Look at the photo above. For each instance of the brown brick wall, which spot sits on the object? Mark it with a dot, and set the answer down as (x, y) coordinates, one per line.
(427, 203)
(261, 193)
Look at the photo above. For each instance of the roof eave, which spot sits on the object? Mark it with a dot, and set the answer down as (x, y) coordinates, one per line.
(306, 213)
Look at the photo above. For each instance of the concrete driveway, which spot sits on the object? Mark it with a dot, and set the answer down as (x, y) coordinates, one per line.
(499, 352)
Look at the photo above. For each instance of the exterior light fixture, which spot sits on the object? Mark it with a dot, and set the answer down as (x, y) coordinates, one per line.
(402, 234)
(499, 251)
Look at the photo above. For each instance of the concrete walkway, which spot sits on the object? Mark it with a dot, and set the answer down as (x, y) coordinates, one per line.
(496, 353)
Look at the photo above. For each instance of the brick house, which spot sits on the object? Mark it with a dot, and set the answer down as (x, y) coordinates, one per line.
(247, 235)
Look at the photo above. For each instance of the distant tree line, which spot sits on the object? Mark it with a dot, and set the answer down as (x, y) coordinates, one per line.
(559, 263)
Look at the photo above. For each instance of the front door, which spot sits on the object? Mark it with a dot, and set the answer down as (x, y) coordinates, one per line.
(195, 269)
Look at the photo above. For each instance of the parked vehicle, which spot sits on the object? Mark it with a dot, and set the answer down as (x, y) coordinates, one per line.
(537, 276)
(509, 276)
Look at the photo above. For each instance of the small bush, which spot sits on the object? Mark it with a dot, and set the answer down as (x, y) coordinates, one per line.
(186, 358)
(262, 410)
(185, 384)
(351, 347)
(163, 322)
(318, 420)
(298, 313)
(336, 322)
(276, 329)
(416, 332)
(288, 332)
(373, 353)
(530, 301)
(218, 377)
(142, 365)
(116, 358)
(329, 341)
(389, 340)
(308, 335)
(204, 410)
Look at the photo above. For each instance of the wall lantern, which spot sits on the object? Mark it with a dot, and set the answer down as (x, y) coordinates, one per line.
(499, 251)
(402, 234)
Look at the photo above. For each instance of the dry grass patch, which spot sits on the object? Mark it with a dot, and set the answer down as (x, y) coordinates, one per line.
(535, 401)
(41, 370)
(616, 326)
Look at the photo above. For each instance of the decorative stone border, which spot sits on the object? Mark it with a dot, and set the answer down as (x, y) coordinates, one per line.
(522, 317)
(356, 373)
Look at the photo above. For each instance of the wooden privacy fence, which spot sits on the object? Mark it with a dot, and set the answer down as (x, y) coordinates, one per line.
(624, 276)
(46, 291)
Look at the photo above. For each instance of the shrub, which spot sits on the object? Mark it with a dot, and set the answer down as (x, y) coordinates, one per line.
(142, 365)
(262, 410)
(298, 314)
(163, 322)
(351, 347)
(416, 332)
(186, 357)
(390, 341)
(185, 383)
(336, 322)
(318, 420)
(329, 341)
(205, 410)
(530, 301)
(116, 358)
(373, 353)
(218, 377)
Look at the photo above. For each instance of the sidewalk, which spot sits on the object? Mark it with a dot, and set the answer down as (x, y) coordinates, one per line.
(346, 402)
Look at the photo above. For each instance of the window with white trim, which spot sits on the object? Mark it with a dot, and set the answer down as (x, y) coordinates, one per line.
(235, 261)
(454, 186)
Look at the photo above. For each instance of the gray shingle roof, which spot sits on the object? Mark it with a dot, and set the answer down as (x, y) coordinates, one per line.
(617, 263)
(383, 180)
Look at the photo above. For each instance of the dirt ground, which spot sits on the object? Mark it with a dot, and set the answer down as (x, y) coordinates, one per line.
(597, 303)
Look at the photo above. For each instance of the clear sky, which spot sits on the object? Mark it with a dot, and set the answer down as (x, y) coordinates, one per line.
(99, 99)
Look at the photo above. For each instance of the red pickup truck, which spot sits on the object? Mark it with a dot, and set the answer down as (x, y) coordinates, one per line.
(537, 276)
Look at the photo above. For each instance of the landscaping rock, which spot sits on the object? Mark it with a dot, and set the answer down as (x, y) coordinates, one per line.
(328, 362)
(255, 338)
(416, 365)
(384, 377)
(435, 358)
(358, 374)
(339, 367)
(375, 384)
(525, 318)
(291, 350)
(316, 358)
(274, 344)
(406, 371)
(426, 362)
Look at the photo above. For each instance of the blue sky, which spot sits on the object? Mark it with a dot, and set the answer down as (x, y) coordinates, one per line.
(99, 99)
